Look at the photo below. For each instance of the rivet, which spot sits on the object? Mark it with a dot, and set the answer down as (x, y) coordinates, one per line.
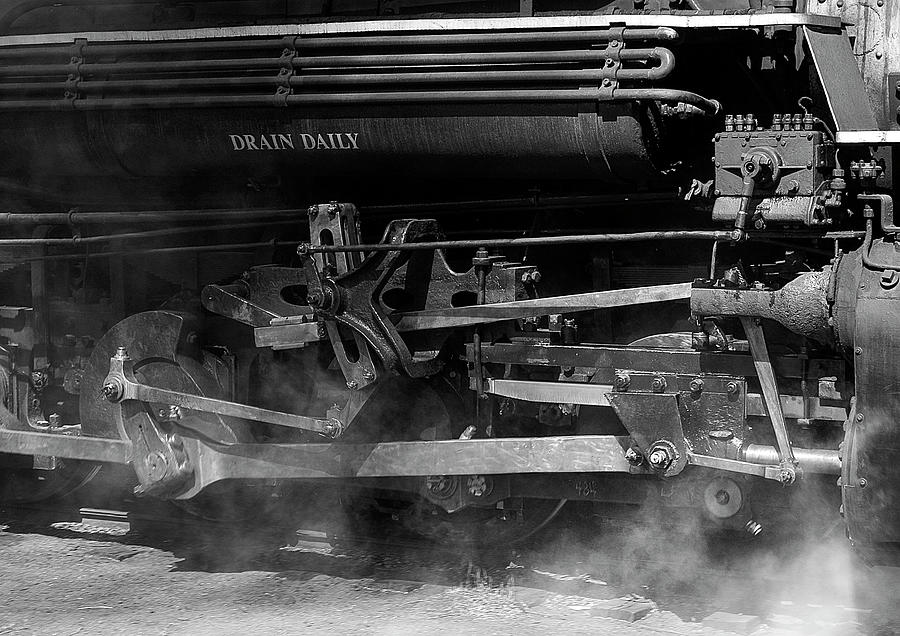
(858, 351)
(860, 417)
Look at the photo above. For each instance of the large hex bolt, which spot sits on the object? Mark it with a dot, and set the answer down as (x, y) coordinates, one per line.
(660, 457)
(658, 385)
(622, 381)
(440, 486)
(478, 486)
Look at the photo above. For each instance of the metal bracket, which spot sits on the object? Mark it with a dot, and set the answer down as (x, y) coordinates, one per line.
(256, 298)
(885, 211)
(654, 422)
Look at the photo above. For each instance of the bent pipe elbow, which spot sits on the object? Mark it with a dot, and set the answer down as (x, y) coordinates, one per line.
(665, 63)
(710, 107)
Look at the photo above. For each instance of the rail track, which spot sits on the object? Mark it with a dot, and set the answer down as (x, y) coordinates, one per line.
(789, 584)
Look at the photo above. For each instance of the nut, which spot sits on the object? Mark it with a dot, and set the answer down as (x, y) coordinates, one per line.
(112, 391)
(477, 486)
(633, 457)
(658, 385)
(315, 298)
(731, 388)
(696, 385)
(622, 381)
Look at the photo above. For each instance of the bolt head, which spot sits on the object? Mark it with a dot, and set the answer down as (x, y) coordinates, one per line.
(622, 381)
(696, 385)
(313, 211)
(787, 476)
(352, 384)
(731, 388)
(658, 384)
(659, 459)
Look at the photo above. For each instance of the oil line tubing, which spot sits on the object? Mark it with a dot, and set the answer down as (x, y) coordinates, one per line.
(708, 106)
(574, 239)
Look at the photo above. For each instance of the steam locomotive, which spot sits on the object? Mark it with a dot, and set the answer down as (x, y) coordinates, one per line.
(469, 260)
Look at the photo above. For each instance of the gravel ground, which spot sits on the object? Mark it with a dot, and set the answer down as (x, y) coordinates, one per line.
(65, 578)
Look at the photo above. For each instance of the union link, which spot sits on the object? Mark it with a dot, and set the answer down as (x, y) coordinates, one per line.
(121, 386)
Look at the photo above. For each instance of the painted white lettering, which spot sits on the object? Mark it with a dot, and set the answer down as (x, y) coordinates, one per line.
(321, 143)
(286, 140)
(264, 143)
(309, 142)
(352, 138)
(251, 142)
(238, 142)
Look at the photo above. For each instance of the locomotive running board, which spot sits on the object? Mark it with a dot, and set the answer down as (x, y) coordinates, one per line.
(446, 25)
